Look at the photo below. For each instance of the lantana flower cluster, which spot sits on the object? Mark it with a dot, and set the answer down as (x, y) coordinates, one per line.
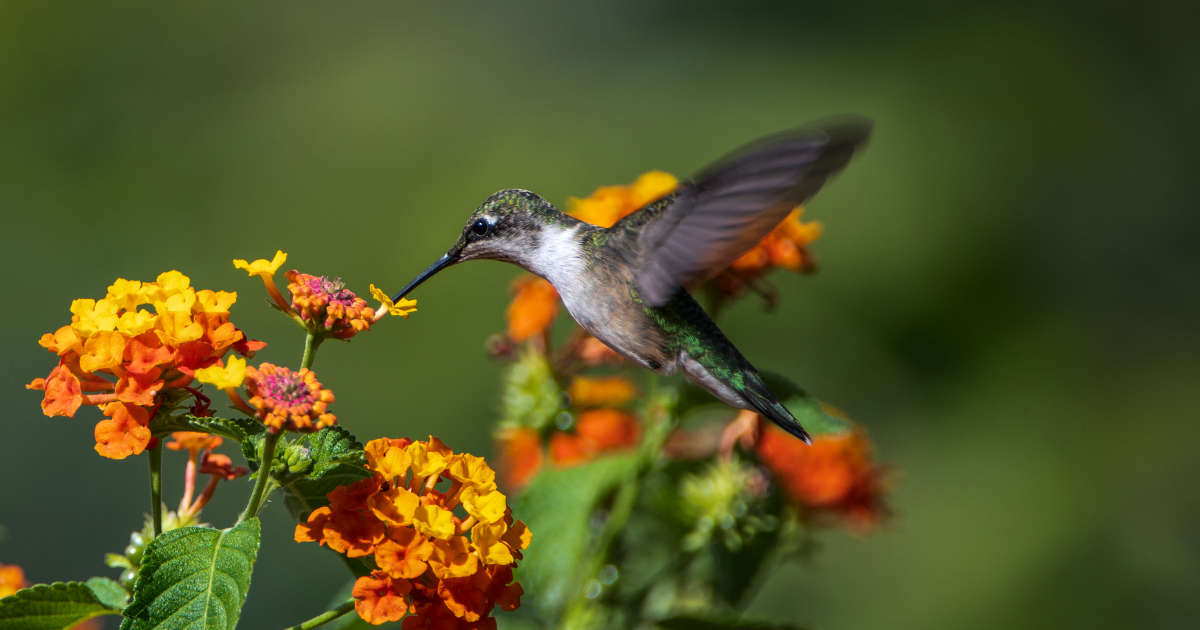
(322, 306)
(835, 477)
(445, 556)
(131, 362)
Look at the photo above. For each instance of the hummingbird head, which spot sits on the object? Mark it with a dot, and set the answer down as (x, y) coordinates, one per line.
(507, 227)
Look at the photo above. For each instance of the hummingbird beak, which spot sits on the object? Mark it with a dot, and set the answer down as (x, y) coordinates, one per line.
(446, 260)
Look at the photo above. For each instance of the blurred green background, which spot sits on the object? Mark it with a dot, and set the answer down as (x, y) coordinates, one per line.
(1009, 296)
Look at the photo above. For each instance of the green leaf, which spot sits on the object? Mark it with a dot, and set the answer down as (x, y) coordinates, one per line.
(194, 578)
(812, 414)
(332, 447)
(337, 460)
(305, 495)
(57, 606)
(561, 508)
(109, 592)
(699, 623)
(237, 429)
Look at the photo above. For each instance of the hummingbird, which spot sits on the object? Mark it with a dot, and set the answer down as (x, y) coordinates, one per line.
(628, 285)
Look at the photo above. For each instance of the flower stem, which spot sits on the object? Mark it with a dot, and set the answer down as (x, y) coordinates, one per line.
(325, 617)
(310, 350)
(264, 477)
(155, 457)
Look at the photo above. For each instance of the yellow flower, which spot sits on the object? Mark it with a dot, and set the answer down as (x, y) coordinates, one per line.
(227, 377)
(262, 267)
(387, 459)
(474, 472)
(130, 294)
(609, 204)
(134, 323)
(486, 538)
(171, 283)
(103, 350)
(600, 391)
(175, 327)
(487, 507)
(180, 301)
(92, 317)
(429, 458)
(396, 506)
(402, 309)
(434, 521)
(453, 558)
(214, 301)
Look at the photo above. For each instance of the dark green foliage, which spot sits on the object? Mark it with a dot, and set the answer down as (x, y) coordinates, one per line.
(195, 578)
(237, 429)
(333, 458)
(60, 605)
(566, 510)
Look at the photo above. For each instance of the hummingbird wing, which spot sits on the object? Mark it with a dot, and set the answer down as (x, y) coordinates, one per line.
(725, 209)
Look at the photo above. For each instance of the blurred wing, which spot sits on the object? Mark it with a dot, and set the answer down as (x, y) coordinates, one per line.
(727, 208)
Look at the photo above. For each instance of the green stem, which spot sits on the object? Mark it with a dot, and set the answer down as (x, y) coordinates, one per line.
(310, 350)
(325, 617)
(264, 477)
(155, 457)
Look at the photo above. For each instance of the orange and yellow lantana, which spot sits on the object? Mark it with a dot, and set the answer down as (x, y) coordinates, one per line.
(123, 358)
(443, 555)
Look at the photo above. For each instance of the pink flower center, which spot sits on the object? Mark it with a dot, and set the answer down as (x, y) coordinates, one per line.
(287, 388)
(335, 290)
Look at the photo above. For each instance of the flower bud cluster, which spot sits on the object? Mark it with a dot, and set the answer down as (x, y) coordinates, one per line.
(445, 556)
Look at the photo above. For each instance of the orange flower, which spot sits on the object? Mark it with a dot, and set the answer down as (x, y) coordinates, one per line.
(609, 204)
(12, 579)
(329, 305)
(597, 431)
(608, 429)
(404, 553)
(133, 356)
(520, 456)
(533, 308)
(836, 474)
(193, 442)
(418, 542)
(294, 401)
(611, 391)
(126, 433)
(784, 247)
(568, 449)
(220, 466)
(379, 598)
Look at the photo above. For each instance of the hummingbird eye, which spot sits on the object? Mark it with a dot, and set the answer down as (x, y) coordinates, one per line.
(481, 227)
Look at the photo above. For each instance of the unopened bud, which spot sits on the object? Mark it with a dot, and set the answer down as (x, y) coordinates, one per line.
(297, 458)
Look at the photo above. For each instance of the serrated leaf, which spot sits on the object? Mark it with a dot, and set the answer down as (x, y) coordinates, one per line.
(332, 447)
(812, 414)
(558, 506)
(305, 495)
(699, 623)
(194, 578)
(337, 460)
(109, 592)
(53, 606)
(237, 429)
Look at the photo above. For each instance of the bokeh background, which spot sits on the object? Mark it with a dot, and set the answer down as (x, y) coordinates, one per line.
(1009, 296)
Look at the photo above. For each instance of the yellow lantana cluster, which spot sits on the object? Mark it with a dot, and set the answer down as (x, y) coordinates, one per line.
(121, 357)
(444, 555)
